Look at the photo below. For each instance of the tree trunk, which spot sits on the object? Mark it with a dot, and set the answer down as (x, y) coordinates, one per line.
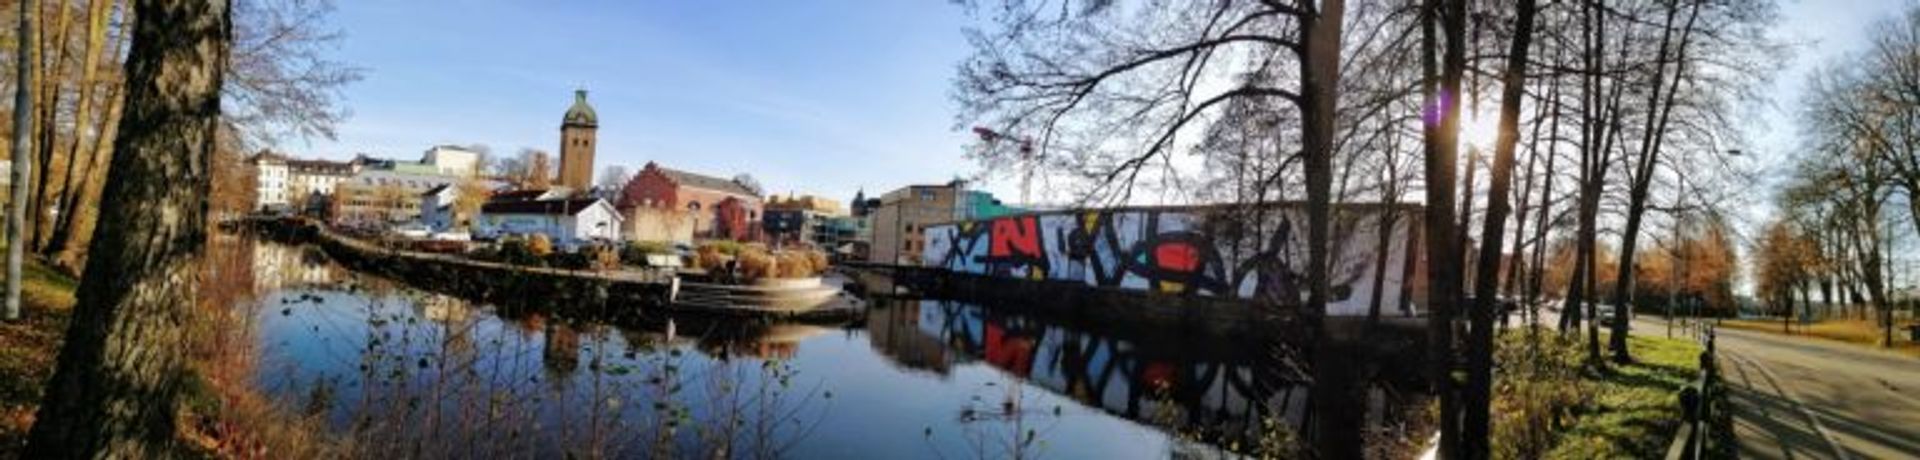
(114, 393)
(1338, 432)
(1479, 394)
(1441, 133)
(98, 12)
(53, 77)
(22, 168)
(81, 235)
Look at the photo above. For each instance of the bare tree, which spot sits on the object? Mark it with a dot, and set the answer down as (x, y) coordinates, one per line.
(613, 177)
(539, 170)
(283, 81)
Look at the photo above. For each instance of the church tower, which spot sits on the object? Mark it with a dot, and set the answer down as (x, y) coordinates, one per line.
(577, 142)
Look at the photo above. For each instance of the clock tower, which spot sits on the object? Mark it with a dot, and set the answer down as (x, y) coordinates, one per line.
(577, 143)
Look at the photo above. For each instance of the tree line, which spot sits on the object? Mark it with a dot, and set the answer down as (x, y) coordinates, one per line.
(283, 85)
(1553, 128)
(1850, 200)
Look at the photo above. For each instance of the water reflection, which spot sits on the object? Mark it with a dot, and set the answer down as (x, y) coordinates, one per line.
(1210, 394)
(403, 371)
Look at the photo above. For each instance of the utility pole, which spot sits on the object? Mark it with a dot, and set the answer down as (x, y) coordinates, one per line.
(22, 107)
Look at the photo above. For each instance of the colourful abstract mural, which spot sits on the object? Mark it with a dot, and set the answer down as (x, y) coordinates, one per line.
(1204, 251)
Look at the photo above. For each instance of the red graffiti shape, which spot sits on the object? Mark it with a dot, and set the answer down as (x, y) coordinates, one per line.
(1177, 256)
(1010, 352)
(1159, 375)
(1015, 237)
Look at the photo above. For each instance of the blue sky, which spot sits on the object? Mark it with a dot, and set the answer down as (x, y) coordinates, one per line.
(819, 97)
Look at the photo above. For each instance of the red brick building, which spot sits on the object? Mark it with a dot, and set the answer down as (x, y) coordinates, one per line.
(721, 208)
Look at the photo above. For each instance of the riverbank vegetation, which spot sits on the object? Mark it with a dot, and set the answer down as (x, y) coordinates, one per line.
(1550, 405)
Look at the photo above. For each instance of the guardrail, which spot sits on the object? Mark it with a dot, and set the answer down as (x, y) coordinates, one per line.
(1694, 438)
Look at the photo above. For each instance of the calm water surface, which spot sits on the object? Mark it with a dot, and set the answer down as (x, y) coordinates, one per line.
(411, 372)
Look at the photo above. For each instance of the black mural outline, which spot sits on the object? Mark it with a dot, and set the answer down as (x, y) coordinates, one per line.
(1004, 265)
(1081, 243)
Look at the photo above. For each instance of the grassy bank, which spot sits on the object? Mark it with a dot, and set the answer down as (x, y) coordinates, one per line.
(28, 349)
(1859, 332)
(1549, 404)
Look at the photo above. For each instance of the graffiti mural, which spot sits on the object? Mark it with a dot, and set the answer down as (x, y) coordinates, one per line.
(1239, 252)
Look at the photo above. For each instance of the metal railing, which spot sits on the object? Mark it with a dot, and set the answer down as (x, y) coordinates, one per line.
(1694, 438)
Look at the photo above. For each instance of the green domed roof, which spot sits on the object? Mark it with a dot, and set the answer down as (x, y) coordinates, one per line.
(580, 114)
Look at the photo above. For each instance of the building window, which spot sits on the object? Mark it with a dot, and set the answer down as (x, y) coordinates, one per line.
(926, 195)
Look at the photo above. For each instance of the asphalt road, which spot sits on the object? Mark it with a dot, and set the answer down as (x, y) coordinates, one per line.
(1797, 397)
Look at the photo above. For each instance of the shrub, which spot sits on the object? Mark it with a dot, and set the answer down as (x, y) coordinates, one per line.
(819, 261)
(605, 258)
(517, 252)
(540, 245)
(726, 247)
(569, 260)
(794, 265)
(757, 264)
(636, 253)
(709, 258)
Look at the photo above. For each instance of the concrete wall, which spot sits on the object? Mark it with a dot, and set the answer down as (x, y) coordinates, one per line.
(656, 224)
(1240, 252)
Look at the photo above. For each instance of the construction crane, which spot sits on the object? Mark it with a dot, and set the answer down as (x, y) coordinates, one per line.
(992, 138)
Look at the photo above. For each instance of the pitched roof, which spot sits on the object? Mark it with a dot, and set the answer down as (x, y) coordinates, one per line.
(695, 180)
(568, 206)
(267, 155)
(320, 166)
(517, 195)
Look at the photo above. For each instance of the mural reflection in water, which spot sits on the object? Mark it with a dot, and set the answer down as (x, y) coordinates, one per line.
(1220, 393)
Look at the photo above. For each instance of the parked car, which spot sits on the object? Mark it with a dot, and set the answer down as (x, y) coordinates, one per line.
(1604, 312)
(452, 236)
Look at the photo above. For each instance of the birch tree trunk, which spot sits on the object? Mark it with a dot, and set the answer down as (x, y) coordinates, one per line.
(114, 393)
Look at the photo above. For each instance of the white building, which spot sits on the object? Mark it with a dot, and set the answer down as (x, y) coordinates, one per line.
(316, 176)
(452, 160)
(565, 221)
(437, 204)
(270, 180)
(436, 207)
(385, 196)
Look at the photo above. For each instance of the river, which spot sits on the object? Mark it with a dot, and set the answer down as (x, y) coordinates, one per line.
(404, 371)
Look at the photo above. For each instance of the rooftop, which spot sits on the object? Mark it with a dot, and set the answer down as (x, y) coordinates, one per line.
(580, 114)
(569, 206)
(696, 180)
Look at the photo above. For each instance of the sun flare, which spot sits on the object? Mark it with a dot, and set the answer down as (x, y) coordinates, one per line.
(1480, 130)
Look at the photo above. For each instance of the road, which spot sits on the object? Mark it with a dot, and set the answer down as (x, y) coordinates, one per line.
(1797, 397)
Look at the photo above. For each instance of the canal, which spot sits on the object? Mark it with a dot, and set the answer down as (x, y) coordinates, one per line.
(404, 371)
